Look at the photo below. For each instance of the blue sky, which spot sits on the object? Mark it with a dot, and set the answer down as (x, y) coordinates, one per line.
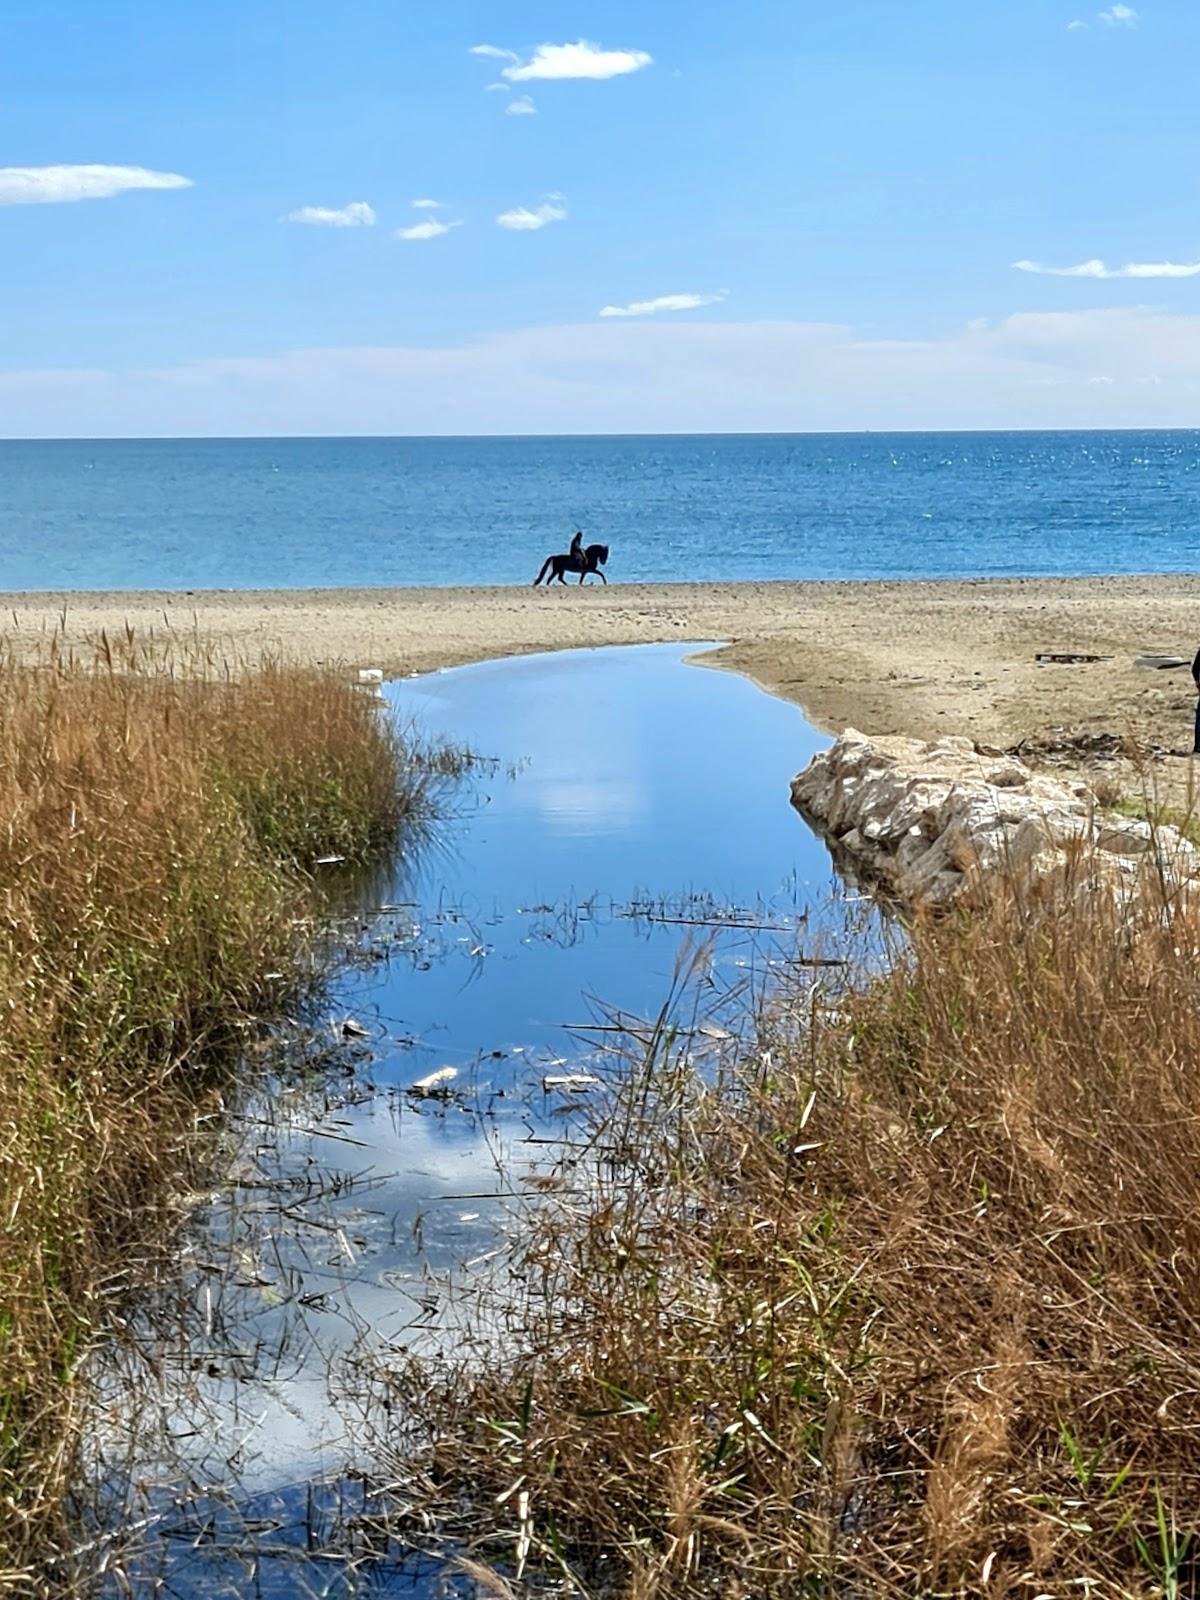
(816, 208)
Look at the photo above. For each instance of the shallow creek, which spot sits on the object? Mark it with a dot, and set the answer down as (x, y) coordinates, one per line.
(628, 803)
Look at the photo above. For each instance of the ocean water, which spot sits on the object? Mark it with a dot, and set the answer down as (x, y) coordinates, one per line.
(273, 513)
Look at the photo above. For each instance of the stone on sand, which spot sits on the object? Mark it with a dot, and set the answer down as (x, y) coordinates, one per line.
(931, 819)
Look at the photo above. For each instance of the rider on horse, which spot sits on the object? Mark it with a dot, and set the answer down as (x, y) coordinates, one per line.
(586, 560)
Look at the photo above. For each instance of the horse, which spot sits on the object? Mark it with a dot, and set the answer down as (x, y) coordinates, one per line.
(592, 559)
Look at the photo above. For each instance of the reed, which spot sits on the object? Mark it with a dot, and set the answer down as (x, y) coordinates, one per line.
(903, 1301)
(160, 814)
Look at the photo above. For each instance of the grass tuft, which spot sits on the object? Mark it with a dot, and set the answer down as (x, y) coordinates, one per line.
(160, 815)
(1147, 808)
(904, 1303)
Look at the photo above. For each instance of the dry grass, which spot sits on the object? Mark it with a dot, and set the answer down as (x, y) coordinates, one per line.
(906, 1302)
(160, 817)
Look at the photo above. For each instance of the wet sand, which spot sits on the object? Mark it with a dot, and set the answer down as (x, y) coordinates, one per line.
(918, 658)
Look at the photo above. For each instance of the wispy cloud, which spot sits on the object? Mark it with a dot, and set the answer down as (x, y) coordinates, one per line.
(522, 106)
(52, 378)
(432, 229)
(668, 374)
(29, 186)
(427, 205)
(664, 302)
(1099, 269)
(583, 59)
(521, 220)
(358, 214)
(1117, 16)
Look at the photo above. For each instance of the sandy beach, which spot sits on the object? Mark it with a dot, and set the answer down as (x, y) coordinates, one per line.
(918, 658)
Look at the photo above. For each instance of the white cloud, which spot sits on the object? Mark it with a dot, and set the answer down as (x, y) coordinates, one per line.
(1033, 370)
(522, 106)
(427, 230)
(579, 60)
(427, 205)
(583, 59)
(521, 220)
(358, 214)
(664, 302)
(1098, 269)
(1117, 16)
(28, 186)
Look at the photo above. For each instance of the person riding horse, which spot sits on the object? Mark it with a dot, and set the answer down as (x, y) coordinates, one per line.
(586, 560)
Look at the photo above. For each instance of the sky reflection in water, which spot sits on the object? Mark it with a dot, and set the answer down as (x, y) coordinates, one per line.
(637, 782)
(616, 779)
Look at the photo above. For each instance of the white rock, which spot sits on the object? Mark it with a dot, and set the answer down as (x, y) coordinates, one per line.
(1126, 838)
(927, 819)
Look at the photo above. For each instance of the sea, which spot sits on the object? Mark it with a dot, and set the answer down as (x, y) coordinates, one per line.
(299, 513)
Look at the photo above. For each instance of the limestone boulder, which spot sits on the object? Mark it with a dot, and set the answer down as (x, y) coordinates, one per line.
(928, 819)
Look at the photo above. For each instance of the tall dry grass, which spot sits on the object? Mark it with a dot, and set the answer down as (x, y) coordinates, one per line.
(904, 1303)
(159, 817)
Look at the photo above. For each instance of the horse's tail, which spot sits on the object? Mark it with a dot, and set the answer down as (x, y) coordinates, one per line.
(546, 566)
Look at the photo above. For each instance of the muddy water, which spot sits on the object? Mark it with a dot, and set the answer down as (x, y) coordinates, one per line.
(629, 803)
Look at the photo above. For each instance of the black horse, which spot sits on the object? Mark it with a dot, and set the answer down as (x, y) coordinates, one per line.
(589, 560)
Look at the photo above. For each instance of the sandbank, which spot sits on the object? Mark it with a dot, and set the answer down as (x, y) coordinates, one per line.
(921, 658)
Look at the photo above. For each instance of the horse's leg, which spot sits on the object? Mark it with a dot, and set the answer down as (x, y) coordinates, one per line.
(602, 578)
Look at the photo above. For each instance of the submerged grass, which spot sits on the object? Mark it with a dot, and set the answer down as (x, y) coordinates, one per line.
(161, 815)
(903, 1302)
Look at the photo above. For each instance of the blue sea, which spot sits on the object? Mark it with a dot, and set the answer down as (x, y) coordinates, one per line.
(275, 513)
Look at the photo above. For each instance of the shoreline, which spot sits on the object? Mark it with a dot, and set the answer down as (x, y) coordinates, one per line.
(911, 656)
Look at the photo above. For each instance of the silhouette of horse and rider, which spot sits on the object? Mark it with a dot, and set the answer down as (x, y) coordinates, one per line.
(579, 558)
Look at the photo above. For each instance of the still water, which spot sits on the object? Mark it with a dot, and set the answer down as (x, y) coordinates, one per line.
(630, 803)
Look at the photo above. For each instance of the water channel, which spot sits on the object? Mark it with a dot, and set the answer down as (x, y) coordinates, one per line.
(628, 803)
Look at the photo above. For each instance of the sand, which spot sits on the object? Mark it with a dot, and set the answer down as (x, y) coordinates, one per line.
(916, 658)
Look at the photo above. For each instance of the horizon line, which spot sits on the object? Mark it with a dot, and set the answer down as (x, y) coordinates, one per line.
(668, 433)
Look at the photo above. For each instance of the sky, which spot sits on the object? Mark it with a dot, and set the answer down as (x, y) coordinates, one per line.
(248, 217)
